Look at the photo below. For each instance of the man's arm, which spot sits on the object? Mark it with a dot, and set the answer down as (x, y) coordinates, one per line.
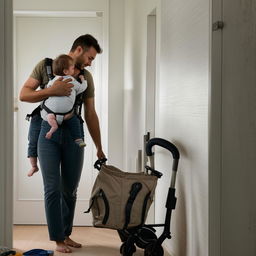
(92, 122)
(30, 94)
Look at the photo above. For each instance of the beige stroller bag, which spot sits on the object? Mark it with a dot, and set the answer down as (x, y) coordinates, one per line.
(121, 200)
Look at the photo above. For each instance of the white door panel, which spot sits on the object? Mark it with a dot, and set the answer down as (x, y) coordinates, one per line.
(36, 38)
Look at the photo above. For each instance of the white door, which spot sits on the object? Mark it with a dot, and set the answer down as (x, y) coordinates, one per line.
(34, 39)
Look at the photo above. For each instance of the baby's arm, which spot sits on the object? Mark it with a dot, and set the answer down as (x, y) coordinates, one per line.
(80, 87)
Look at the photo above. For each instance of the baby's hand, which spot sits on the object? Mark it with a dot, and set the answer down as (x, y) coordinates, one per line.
(82, 78)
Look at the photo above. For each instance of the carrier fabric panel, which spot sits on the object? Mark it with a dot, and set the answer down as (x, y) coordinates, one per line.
(116, 185)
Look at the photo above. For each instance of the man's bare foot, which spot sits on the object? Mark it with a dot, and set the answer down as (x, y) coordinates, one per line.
(62, 247)
(32, 171)
(72, 243)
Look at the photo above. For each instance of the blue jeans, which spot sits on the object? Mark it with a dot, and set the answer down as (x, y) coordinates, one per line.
(61, 162)
(74, 125)
(33, 134)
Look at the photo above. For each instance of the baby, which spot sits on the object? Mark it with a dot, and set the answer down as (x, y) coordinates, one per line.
(55, 109)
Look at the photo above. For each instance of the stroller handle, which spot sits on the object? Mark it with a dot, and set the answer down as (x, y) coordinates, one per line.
(162, 143)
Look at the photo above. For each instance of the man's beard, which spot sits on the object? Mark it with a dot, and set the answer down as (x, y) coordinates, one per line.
(79, 64)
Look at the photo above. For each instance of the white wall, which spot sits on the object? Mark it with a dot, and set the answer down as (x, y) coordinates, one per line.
(135, 76)
(182, 110)
(6, 125)
(183, 116)
(116, 82)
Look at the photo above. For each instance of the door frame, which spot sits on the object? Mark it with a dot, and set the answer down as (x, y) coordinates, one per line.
(215, 131)
(6, 127)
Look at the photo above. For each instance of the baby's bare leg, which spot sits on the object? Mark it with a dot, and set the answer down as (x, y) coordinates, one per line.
(53, 123)
(33, 162)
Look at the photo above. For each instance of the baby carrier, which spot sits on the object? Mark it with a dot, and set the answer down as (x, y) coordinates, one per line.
(79, 99)
(121, 200)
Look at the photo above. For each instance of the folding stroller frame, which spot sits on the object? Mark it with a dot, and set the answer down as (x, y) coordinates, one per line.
(144, 236)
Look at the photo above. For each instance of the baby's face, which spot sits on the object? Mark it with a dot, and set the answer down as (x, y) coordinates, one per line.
(71, 70)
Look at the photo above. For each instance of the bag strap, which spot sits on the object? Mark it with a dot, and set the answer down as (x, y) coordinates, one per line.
(105, 200)
(144, 207)
(97, 165)
(90, 206)
(135, 189)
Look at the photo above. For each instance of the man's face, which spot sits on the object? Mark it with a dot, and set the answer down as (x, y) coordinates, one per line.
(86, 58)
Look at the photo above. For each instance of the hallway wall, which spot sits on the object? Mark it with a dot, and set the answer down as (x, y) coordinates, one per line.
(183, 116)
(182, 109)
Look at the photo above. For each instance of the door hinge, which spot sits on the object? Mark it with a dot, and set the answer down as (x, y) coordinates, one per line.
(217, 25)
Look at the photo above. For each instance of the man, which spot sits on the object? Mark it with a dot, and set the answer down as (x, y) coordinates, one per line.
(60, 159)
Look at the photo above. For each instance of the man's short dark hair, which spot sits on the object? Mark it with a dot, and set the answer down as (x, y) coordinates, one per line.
(86, 41)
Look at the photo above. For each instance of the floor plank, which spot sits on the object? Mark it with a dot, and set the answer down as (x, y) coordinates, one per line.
(100, 242)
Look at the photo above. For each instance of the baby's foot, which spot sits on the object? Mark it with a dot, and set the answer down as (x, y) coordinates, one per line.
(80, 143)
(72, 243)
(62, 247)
(48, 135)
(33, 170)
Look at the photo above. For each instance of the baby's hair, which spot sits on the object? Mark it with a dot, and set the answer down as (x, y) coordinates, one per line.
(60, 63)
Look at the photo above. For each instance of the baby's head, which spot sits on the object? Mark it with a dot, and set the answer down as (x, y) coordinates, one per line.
(63, 65)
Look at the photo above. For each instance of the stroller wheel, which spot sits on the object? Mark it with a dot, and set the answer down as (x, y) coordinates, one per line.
(123, 234)
(127, 250)
(145, 236)
(153, 249)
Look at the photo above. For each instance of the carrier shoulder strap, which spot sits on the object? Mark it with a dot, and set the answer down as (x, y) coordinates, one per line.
(49, 72)
(48, 69)
(79, 100)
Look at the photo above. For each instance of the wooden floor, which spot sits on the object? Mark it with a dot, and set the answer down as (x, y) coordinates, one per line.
(95, 241)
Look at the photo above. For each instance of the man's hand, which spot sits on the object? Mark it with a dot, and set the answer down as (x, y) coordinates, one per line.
(100, 154)
(61, 87)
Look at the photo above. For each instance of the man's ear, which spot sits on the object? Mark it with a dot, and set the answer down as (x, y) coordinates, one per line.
(65, 71)
(79, 49)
